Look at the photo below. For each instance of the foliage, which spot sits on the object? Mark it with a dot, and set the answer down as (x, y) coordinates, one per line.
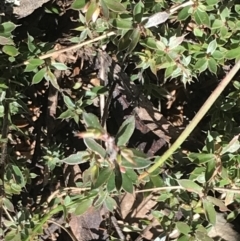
(171, 40)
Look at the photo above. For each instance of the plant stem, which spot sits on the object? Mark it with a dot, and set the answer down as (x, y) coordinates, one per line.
(204, 109)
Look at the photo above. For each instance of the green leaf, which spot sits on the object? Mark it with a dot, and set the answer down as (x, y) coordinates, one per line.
(156, 19)
(233, 53)
(125, 41)
(212, 47)
(10, 50)
(200, 158)
(36, 62)
(38, 77)
(111, 183)
(49, 76)
(134, 40)
(31, 46)
(149, 43)
(139, 163)
(184, 14)
(190, 186)
(122, 24)
(201, 65)
(209, 211)
(6, 41)
(118, 176)
(18, 175)
(68, 102)
(78, 4)
(103, 177)
(125, 131)
(105, 9)
(95, 147)
(91, 9)
(77, 158)
(7, 27)
(212, 65)
(110, 203)
(8, 205)
(138, 12)
(232, 146)
(83, 206)
(59, 66)
(211, 167)
(115, 6)
(127, 184)
(183, 228)
(201, 18)
(91, 120)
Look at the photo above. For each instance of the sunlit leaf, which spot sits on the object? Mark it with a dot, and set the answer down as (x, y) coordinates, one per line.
(115, 6)
(38, 77)
(83, 206)
(78, 4)
(95, 147)
(190, 186)
(91, 120)
(10, 50)
(209, 211)
(156, 19)
(77, 158)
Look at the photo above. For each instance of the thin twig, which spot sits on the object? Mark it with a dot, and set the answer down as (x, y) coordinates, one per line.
(65, 190)
(204, 109)
(117, 228)
(76, 46)
(61, 226)
(3, 159)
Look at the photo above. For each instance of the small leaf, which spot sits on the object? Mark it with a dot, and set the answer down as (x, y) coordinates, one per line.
(134, 40)
(124, 41)
(212, 65)
(138, 12)
(233, 53)
(175, 41)
(139, 163)
(156, 19)
(91, 9)
(127, 184)
(232, 146)
(68, 102)
(201, 65)
(91, 120)
(125, 131)
(8, 204)
(110, 203)
(115, 6)
(10, 50)
(49, 76)
(118, 176)
(78, 158)
(59, 66)
(95, 147)
(36, 62)
(122, 24)
(183, 228)
(209, 211)
(7, 27)
(103, 177)
(190, 186)
(78, 4)
(31, 46)
(184, 14)
(39, 76)
(83, 206)
(212, 47)
(6, 41)
(111, 183)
